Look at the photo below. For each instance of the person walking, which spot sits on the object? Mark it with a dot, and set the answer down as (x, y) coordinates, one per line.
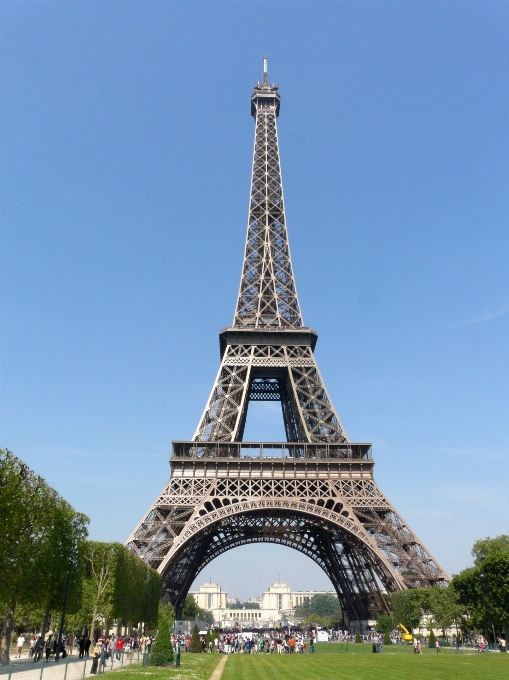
(31, 651)
(48, 647)
(19, 646)
(88, 642)
(39, 646)
(81, 646)
(437, 645)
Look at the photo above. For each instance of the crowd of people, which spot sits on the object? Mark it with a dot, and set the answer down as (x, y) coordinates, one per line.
(269, 642)
(104, 648)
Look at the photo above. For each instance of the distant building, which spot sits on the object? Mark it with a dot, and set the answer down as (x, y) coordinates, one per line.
(210, 596)
(298, 596)
(277, 605)
(277, 597)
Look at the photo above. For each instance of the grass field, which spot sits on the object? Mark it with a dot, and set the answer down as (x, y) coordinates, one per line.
(193, 667)
(357, 664)
(363, 666)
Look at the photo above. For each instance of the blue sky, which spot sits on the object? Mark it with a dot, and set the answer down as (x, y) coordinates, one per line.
(126, 151)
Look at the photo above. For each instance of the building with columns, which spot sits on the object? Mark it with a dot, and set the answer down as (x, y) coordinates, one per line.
(210, 596)
(277, 605)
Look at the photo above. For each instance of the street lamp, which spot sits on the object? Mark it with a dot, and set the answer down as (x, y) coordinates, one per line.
(72, 557)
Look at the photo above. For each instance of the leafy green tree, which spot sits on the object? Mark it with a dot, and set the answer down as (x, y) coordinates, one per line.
(303, 610)
(250, 605)
(443, 607)
(387, 638)
(484, 589)
(161, 653)
(324, 605)
(384, 624)
(358, 637)
(118, 585)
(322, 609)
(486, 546)
(405, 606)
(191, 612)
(322, 621)
(432, 639)
(40, 534)
(195, 645)
(234, 605)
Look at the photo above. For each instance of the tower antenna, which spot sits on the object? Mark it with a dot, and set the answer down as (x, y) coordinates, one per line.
(265, 69)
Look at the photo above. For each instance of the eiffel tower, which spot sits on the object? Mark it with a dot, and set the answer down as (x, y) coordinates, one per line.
(315, 492)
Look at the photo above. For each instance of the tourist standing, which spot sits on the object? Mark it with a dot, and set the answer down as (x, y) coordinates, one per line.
(95, 659)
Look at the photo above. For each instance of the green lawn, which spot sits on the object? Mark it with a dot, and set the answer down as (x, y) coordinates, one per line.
(192, 667)
(360, 666)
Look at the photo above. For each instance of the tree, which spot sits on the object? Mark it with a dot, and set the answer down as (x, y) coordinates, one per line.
(387, 638)
(40, 534)
(432, 639)
(384, 624)
(161, 653)
(303, 610)
(443, 606)
(119, 585)
(195, 645)
(405, 606)
(358, 637)
(191, 612)
(486, 546)
(322, 609)
(484, 589)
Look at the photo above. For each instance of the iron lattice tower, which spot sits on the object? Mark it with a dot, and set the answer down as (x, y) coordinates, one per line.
(316, 492)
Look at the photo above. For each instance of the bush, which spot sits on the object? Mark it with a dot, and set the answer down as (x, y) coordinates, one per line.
(195, 644)
(432, 639)
(387, 638)
(161, 653)
(358, 637)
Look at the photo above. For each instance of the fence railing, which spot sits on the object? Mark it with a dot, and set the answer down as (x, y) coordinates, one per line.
(288, 450)
(70, 668)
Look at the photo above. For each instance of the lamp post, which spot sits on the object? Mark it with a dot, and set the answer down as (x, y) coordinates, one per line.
(72, 557)
(147, 579)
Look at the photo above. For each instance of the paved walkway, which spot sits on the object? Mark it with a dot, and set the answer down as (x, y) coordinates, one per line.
(71, 668)
(216, 675)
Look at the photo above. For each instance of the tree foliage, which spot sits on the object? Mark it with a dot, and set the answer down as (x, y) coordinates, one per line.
(118, 585)
(191, 612)
(41, 536)
(405, 606)
(487, 546)
(384, 624)
(195, 645)
(484, 590)
(325, 610)
(161, 653)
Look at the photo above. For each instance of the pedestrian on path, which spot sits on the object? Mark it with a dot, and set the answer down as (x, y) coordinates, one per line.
(19, 646)
(437, 645)
(95, 660)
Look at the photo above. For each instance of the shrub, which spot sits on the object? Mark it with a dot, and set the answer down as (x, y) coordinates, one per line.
(195, 644)
(161, 653)
(358, 637)
(432, 639)
(387, 638)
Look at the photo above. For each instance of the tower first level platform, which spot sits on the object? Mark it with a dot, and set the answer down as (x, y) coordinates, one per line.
(320, 499)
